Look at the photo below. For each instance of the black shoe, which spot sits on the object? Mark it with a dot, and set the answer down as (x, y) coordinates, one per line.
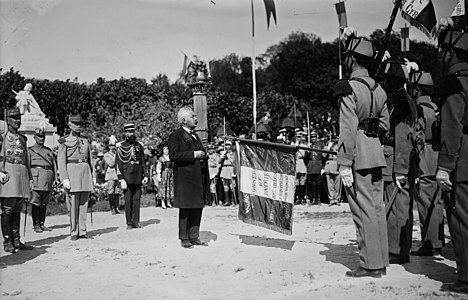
(398, 259)
(197, 242)
(8, 245)
(85, 237)
(45, 228)
(37, 229)
(136, 225)
(384, 271)
(362, 272)
(117, 211)
(24, 247)
(129, 227)
(423, 251)
(186, 244)
(456, 287)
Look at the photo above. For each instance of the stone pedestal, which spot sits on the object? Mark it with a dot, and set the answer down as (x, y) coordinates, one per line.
(29, 123)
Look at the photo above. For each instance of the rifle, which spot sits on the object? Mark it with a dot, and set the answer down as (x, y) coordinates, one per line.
(375, 70)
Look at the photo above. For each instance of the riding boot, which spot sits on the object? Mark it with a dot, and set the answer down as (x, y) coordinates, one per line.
(7, 234)
(35, 213)
(43, 214)
(16, 233)
(227, 201)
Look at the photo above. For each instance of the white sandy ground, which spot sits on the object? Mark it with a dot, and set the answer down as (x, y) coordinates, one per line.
(242, 261)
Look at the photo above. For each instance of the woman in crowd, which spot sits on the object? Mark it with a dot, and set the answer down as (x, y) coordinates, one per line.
(164, 175)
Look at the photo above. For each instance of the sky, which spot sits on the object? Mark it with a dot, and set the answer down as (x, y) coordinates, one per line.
(87, 39)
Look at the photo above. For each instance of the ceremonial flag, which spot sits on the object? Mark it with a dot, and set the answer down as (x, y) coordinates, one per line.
(459, 14)
(341, 12)
(405, 42)
(420, 14)
(270, 11)
(267, 184)
(183, 73)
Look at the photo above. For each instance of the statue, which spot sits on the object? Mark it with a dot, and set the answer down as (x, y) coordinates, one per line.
(26, 102)
(198, 72)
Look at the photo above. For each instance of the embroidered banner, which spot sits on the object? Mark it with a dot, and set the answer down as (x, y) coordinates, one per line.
(266, 184)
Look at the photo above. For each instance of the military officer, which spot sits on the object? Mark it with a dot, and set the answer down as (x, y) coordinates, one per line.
(429, 198)
(132, 174)
(452, 172)
(43, 173)
(360, 157)
(15, 180)
(398, 176)
(76, 173)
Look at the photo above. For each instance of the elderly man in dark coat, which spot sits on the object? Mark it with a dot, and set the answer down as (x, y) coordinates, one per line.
(190, 174)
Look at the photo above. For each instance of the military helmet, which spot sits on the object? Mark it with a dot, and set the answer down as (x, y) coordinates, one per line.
(13, 112)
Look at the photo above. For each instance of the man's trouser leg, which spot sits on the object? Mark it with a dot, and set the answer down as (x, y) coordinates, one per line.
(400, 220)
(78, 206)
(369, 217)
(458, 225)
(7, 220)
(431, 213)
(83, 211)
(136, 196)
(128, 204)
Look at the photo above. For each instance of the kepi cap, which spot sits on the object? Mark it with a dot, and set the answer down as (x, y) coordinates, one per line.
(421, 78)
(75, 119)
(39, 132)
(13, 112)
(360, 47)
(396, 69)
(129, 127)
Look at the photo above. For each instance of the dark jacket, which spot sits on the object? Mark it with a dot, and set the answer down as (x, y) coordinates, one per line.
(130, 161)
(190, 174)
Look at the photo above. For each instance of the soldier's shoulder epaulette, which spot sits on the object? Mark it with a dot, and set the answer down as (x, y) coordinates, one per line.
(342, 87)
(118, 144)
(62, 139)
(448, 85)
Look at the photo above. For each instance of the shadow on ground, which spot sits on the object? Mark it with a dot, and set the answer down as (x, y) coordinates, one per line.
(208, 236)
(149, 222)
(21, 257)
(98, 232)
(266, 242)
(345, 255)
(434, 267)
(59, 226)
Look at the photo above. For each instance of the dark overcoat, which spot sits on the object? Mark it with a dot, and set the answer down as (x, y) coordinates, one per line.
(190, 174)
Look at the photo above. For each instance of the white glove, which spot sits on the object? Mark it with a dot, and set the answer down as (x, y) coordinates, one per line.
(66, 184)
(145, 180)
(400, 181)
(349, 31)
(346, 174)
(94, 180)
(443, 179)
(4, 177)
(123, 184)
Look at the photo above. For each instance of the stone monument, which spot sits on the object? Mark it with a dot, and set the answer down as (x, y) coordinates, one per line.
(199, 79)
(32, 117)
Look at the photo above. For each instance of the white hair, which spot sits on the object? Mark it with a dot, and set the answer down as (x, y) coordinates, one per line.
(184, 113)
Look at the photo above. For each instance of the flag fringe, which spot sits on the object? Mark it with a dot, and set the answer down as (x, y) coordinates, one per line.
(265, 225)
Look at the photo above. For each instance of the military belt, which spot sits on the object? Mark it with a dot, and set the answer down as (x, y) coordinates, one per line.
(41, 167)
(227, 165)
(12, 160)
(76, 161)
(134, 162)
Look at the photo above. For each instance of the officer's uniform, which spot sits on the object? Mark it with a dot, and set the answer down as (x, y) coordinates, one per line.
(14, 161)
(75, 165)
(43, 174)
(314, 172)
(130, 161)
(364, 154)
(398, 144)
(429, 196)
(453, 156)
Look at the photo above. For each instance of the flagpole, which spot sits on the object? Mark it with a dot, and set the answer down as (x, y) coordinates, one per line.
(254, 83)
(308, 129)
(340, 72)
